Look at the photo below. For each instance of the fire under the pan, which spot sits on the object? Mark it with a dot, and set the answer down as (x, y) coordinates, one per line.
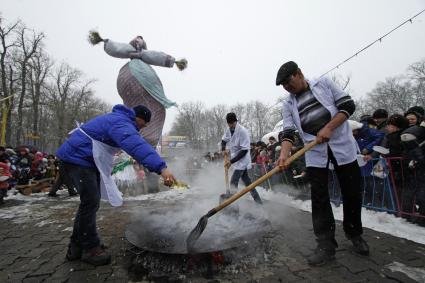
(159, 267)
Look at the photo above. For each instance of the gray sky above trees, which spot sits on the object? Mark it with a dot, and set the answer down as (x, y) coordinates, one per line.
(234, 48)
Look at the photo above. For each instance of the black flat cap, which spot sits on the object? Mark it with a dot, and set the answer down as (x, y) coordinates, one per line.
(285, 71)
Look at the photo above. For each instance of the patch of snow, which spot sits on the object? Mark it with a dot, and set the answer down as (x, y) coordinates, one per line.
(375, 220)
(172, 194)
(32, 208)
(415, 273)
(44, 222)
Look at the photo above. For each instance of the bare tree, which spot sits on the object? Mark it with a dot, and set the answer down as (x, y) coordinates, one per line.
(45, 100)
(75, 105)
(205, 127)
(395, 95)
(65, 78)
(417, 75)
(189, 121)
(217, 117)
(417, 71)
(39, 68)
(28, 45)
(259, 116)
(8, 42)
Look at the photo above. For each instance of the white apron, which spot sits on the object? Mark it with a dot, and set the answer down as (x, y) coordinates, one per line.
(103, 156)
(237, 142)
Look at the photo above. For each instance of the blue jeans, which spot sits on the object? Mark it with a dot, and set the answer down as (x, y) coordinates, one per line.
(87, 182)
(238, 174)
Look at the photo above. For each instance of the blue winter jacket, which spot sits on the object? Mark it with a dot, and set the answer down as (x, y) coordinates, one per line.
(368, 137)
(117, 129)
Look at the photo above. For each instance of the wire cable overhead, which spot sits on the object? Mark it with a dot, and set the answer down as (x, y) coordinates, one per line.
(372, 43)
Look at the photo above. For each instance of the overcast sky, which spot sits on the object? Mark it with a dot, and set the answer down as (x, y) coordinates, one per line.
(234, 48)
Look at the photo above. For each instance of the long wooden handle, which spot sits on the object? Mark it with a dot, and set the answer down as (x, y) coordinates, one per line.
(265, 177)
(226, 174)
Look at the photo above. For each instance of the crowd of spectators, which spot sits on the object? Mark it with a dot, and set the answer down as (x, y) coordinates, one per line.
(22, 165)
(399, 138)
(396, 139)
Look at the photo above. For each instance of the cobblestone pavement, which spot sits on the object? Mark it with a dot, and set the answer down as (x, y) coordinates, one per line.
(34, 235)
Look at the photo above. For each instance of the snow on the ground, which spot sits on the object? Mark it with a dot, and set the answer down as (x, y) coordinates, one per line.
(375, 220)
(378, 221)
(173, 194)
(32, 208)
(415, 273)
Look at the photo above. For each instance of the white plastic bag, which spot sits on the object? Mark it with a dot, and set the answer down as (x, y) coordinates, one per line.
(379, 170)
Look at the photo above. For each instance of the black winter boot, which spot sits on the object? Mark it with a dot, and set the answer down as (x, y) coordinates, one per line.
(360, 246)
(324, 253)
(321, 256)
(74, 252)
(96, 256)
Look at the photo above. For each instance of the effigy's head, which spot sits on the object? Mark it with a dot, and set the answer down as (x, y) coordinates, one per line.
(138, 43)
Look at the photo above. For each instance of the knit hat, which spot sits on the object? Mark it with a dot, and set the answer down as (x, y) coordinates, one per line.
(399, 121)
(380, 114)
(418, 109)
(410, 112)
(231, 117)
(143, 112)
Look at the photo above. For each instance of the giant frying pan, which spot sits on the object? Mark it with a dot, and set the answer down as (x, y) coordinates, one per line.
(164, 229)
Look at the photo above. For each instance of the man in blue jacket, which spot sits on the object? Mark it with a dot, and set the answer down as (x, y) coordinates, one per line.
(83, 158)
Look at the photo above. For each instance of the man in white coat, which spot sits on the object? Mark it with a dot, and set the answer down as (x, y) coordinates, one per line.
(318, 110)
(237, 140)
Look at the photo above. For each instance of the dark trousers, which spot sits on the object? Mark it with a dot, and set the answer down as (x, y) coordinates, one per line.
(3, 194)
(323, 219)
(62, 178)
(87, 183)
(234, 181)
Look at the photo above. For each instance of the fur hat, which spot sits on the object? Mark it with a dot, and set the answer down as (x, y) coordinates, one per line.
(399, 121)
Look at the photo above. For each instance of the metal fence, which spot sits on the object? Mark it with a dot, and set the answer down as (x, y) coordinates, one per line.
(388, 184)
